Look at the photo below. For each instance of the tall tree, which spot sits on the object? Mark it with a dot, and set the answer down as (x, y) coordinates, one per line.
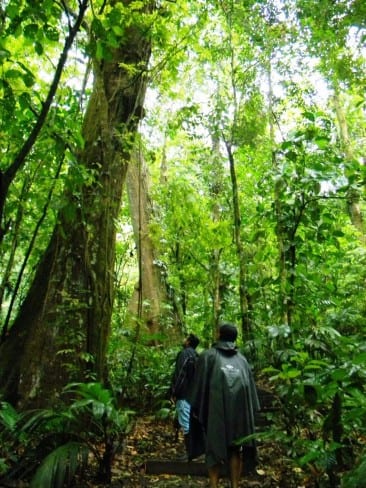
(336, 37)
(61, 330)
(147, 302)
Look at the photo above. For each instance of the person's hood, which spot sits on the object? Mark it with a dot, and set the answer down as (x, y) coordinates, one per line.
(228, 348)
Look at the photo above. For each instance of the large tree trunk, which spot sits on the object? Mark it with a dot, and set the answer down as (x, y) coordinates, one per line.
(61, 331)
(149, 294)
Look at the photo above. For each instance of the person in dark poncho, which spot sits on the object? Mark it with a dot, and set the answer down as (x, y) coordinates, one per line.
(223, 403)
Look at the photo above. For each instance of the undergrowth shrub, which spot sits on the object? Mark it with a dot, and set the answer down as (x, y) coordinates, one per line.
(323, 407)
(142, 374)
(54, 446)
(356, 478)
(10, 438)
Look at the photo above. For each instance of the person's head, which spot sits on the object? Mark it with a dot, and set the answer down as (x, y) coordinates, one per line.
(192, 341)
(228, 332)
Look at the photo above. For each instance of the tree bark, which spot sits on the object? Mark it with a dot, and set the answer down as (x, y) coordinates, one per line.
(149, 292)
(61, 331)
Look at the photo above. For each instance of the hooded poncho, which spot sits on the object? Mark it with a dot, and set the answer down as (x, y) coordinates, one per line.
(223, 399)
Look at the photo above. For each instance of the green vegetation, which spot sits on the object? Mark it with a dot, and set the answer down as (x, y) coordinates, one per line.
(51, 446)
(164, 166)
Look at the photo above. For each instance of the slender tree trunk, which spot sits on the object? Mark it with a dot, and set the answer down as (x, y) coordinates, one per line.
(28, 253)
(7, 176)
(7, 268)
(215, 273)
(280, 230)
(61, 331)
(281, 244)
(176, 300)
(244, 297)
(353, 196)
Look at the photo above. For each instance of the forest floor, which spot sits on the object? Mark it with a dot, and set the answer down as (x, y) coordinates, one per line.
(151, 439)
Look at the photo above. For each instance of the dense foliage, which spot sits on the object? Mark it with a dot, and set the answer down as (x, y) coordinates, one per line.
(254, 139)
(51, 446)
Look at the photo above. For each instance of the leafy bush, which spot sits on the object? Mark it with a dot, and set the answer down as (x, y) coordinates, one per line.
(323, 404)
(143, 378)
(57, 443)
(356, 478)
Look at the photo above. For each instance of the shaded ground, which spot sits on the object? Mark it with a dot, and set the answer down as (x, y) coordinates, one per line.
(151, 439)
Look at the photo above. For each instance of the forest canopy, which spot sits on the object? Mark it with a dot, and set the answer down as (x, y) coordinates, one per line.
(167, 165)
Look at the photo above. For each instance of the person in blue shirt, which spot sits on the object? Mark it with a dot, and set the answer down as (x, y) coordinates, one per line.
(184, 370)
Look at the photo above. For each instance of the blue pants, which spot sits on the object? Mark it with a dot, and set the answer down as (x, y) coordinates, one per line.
(183, 411)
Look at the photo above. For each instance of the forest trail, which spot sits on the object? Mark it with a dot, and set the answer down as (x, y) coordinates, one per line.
(152, 439)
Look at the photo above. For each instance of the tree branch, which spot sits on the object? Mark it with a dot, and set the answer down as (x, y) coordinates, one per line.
(8, 176)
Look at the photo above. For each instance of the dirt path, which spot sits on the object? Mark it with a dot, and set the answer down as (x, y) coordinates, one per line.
(155, 440)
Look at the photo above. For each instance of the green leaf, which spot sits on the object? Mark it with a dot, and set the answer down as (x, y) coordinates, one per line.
(310, 116)
(291, 155)
(12, 10)
(360, 358)
(38, 47)
(97, 27)
(60, 465)
(290, 373)
(4, 54)
(339, 374)
(29, 80)
(118, 31)
(115, 16)
(310, 456)
(31, 31)
(322, 142)
(100, 50)
(286, 145)
(8, 415)
(13, 73)
(51, 33)
(137, 5)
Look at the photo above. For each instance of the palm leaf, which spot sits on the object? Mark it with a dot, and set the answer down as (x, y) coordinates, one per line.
(60, 465)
